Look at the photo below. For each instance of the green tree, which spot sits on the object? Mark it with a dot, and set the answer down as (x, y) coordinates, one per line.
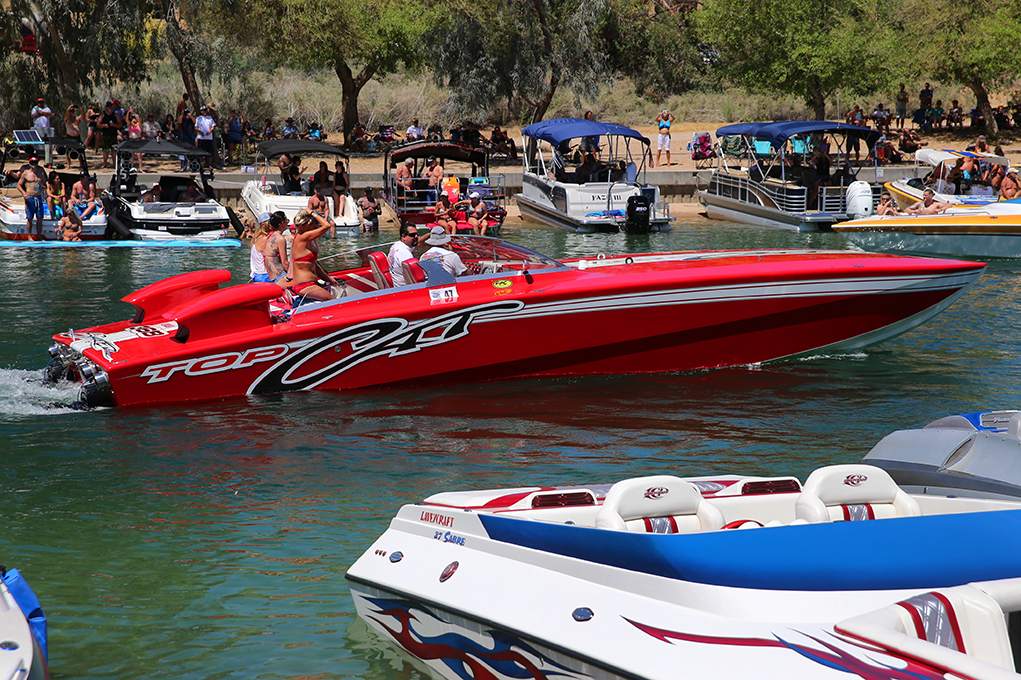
(523, 49)
(808, 48)
(972, 43)
(357, 39)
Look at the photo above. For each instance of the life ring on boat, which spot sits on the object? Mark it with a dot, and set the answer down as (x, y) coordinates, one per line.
(235, 221)
(114, 223)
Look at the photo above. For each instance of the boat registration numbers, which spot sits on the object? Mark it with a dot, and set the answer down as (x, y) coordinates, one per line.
(443, 296)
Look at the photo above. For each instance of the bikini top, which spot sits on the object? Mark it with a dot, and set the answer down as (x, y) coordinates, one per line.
(664, 124)
(311, 258)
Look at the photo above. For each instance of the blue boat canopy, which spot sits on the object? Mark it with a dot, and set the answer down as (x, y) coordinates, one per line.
(562, 129)
(777, 133)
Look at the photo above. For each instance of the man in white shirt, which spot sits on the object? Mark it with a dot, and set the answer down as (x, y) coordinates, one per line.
(401, 251)
(150, 128)
(415, 131)
(448, 259)
(41, 117)
(204, 125)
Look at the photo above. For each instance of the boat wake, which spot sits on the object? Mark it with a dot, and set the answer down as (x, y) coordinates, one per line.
(23, 393)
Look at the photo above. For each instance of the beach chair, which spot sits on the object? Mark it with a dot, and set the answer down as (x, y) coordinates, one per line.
(702, 150)
(732, 145)
(763, 148)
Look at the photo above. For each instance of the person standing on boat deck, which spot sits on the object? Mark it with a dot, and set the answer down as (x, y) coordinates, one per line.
(663, 121)
(257, 259)
(902, 100)
(401, 251)
(886, 205)
(928, 205)
(31, 187)
(590, 144)
(204, 126)
(433, 172)
(369, 207)
(274, 251)
(405, 178)
(83, 196)
(109, 125)
(186, 127)
(341, 181)
(305, 255)
(447, 259)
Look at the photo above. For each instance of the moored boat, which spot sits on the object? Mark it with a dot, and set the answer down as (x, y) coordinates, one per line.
(189, 339)
(611, 195)
(983, 231)
(768, 179)
(23, 630)
(721, 576)
(908, 190)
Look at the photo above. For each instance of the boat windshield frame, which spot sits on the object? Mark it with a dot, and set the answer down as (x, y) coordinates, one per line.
(479, 247)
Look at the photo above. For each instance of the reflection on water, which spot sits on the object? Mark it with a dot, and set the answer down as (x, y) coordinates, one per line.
(210, 541)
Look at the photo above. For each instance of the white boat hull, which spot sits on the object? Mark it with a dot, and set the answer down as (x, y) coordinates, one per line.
(258, 201)
(13, 225)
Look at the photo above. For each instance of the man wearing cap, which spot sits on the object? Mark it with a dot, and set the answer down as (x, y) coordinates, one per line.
(433, 172)
(369, 207)
(204, 126)
(981, 145)
(401, 251)
(41, 117)
(1009, 185)
(475, 208)
(405, 179)
(275, 249)
(290, 130)
(415, 131)
(31, 187)
(448, 259)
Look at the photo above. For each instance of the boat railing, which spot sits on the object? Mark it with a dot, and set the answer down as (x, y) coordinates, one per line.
(419, 196)
(787, 197)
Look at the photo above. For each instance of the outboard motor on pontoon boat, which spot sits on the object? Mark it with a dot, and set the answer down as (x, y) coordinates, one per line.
(638, 215)
(859, 200)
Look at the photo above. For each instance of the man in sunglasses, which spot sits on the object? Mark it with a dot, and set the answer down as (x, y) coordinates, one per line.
(887, 206)
(401, 251)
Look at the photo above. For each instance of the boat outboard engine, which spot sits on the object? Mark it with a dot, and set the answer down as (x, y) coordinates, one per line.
(859, 200)
(638, 214)
(59, 368)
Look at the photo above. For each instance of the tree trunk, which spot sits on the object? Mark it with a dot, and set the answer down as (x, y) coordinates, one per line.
(178, 42)
(350, 87)
(982, 102)
(818, 100)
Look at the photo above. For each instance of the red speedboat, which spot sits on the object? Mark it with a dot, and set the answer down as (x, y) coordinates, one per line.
(513, 313)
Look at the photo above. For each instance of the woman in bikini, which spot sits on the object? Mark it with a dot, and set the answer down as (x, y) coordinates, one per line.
(135, 132)
(56, 195)
(477, 213)
(445, 216)
(70, 227)
(341, 181)
(304, 255)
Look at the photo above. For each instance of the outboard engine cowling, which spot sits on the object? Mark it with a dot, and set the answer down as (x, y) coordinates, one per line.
(638, 215)
(859, 200)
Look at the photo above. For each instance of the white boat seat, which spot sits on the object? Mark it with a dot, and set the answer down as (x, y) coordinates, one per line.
(852, 492)
(960, 629)
(660, 504)
(631, 172)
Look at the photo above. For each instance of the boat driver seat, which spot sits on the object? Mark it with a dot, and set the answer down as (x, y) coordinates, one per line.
(660, 504)
(380, 270)
(852, 492)
(413, 272)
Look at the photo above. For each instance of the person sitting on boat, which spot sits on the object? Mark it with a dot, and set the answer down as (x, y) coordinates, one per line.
(447, 259)
(663, 121)
(886, 205)
(152, 195)
(821, 161)
(444, 214)
(274, 250)
(587, 170)
(477, 213)
(402, 250)
(56, 196)
(501, 142)
(318, 204)
(1010, 185)
(994, 176)
(83, 196)
(191, 194)
(405, 180)
(257, 259)
(433, 173)
(619, 173)
(322, 176)
(69, 229)
(341, 181)
(928, 205)
(304, 257)
(370, 211)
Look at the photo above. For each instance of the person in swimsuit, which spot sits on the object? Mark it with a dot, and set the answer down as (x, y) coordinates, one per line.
(83, 197)
(886, 205)
(69, 228)
(275, 250)
(258, 260)
(317, 204)
(31, 187)
(445, 215)
(322, 176)
(341, 181)
(56, 196)
(370, 211)
(663, 121)
(304, 256)
(475, 207)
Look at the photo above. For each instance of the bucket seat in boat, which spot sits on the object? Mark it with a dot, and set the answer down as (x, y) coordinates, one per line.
(413, 272)
(852, 492)
(380, 270)
(660, 504)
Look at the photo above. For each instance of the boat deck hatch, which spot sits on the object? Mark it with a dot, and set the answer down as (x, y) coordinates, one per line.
(770, 486)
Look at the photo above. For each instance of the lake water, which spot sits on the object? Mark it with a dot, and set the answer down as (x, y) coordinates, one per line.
(211, 541)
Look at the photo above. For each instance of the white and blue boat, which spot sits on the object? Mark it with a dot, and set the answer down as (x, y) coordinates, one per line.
(720, 576)
(23, 633)
(613, 196)
(908, 190)
(764, 174)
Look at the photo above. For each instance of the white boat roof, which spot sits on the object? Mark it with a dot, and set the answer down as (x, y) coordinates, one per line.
(936, 157)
